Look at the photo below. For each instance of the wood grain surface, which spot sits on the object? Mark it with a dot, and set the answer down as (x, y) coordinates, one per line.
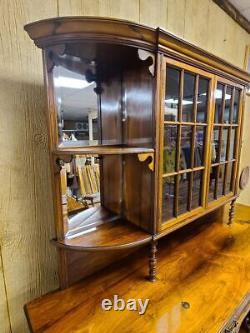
(116, 234)
(29, 261)
(203, 274)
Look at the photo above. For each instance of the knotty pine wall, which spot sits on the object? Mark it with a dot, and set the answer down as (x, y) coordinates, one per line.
(27, 260)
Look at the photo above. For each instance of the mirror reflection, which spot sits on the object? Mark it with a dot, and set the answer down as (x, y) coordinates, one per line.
(77, 110)
(80, 188)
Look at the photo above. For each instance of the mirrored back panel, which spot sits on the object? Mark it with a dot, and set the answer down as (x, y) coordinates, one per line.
(103, 94)
(93, 192)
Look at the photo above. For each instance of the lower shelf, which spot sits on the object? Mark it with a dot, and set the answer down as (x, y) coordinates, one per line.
(114, 235)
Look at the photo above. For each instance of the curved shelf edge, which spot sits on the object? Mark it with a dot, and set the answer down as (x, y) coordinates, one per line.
(102, 150)
(113, 235)
(117, 247)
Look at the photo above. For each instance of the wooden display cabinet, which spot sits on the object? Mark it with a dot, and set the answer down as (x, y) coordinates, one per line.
(145, 136)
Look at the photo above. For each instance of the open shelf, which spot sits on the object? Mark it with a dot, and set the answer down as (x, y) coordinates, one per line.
(83, 221)
(102, 150)
(118, 234)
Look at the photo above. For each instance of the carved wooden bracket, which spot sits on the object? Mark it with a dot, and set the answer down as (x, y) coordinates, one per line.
(142, 157)
(148, 56)
(59, 162)
(50, 52)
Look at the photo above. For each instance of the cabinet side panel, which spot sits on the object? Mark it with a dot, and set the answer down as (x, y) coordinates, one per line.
(138, 104)
(138, 192)
(93, 262)
(110, 103)
(111, 183)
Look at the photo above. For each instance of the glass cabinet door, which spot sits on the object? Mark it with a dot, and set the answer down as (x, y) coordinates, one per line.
(225, 136)
(184, 124)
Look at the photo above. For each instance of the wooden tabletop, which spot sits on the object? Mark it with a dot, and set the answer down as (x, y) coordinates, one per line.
(203, 274)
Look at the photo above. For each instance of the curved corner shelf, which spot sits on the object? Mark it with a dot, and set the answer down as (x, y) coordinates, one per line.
(114, 235)
(103, 150)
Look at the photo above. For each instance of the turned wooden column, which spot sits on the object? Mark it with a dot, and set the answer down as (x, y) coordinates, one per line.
(152, 261)
(231, 211)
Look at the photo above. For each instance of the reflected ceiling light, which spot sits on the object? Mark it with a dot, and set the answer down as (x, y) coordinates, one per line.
(176, 101)
(69, 82)
(218, 94)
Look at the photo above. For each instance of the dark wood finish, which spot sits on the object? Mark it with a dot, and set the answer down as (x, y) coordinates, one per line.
(231, 211)
(152, 261)
(82, 263)
(234, 13)
(60, 29)
(117, 234)
(111, 182)
(197, 265)
(127, 63)
(138, 193)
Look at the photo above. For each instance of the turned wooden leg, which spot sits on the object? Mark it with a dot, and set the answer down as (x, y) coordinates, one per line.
(152, 261)
(231, 211)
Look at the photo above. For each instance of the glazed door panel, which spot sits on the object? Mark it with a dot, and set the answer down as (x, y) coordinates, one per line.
(184, 133)
(225, 138)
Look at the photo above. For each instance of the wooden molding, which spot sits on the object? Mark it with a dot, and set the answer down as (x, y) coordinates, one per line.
(60, 30)
(233, 13)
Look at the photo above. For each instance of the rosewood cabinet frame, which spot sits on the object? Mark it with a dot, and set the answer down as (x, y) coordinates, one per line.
(85, 255)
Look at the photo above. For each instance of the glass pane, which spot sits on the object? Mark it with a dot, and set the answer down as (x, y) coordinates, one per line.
(199, 146)
(221, 180)
(215, 145)
(172, 94)
(77, 107)
(232, 144)
(169, 152)
(229, 178)
(224, 144)
(188, 98)
(183, 183)
(202, 100)
(236, 106)
(212, 180)
(168, 190)
(196, 190)
(80, 189)
(218, 103)
(186, 143)
(227, 111)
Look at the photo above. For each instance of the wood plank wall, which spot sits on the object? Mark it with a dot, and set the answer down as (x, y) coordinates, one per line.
(28, 262)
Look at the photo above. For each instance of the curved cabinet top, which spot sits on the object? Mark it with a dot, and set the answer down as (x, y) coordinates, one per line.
(49, 32)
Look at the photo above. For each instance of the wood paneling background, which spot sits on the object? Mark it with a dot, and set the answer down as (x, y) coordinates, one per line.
(27, 261)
